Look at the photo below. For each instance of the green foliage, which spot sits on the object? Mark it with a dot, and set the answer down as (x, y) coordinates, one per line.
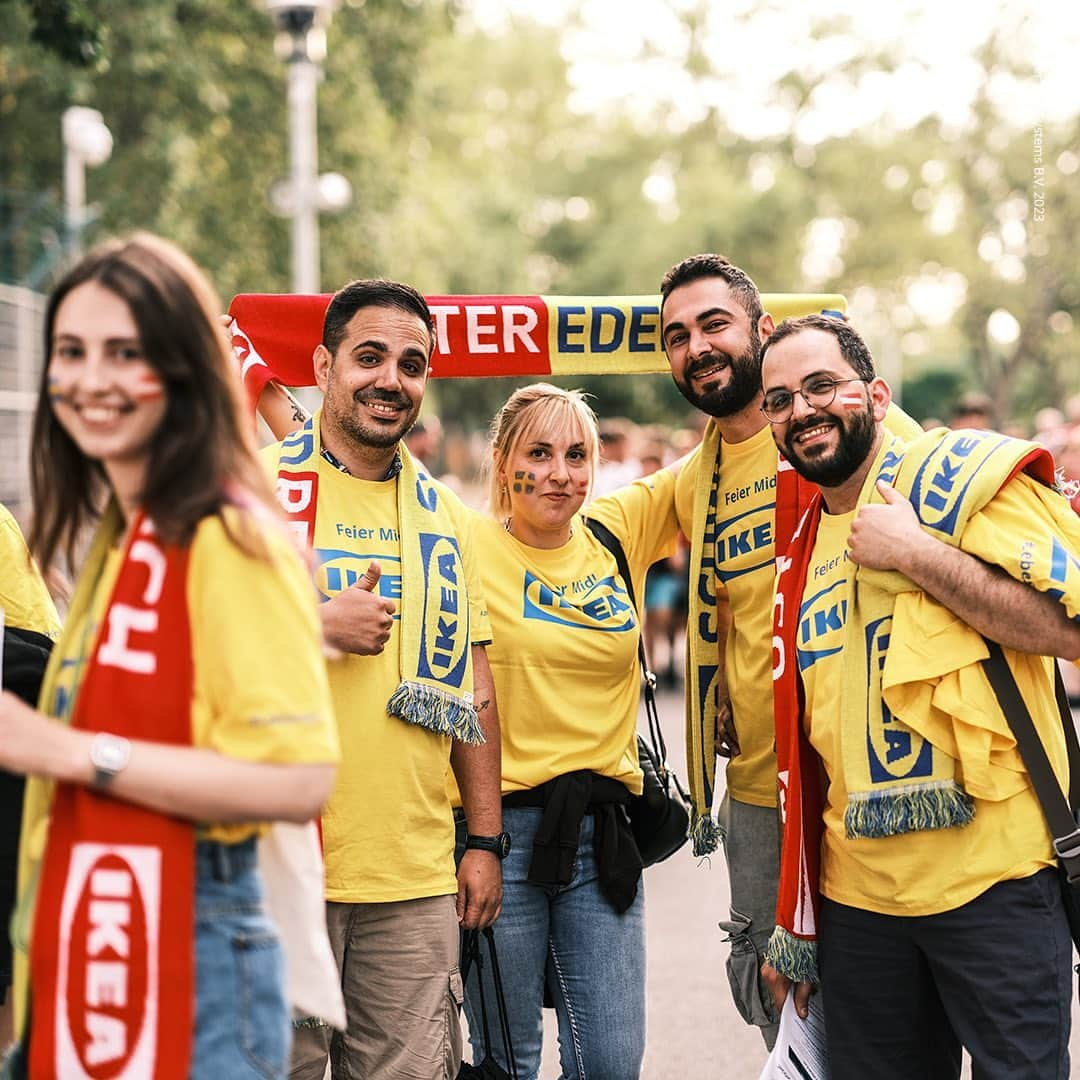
(472, 173)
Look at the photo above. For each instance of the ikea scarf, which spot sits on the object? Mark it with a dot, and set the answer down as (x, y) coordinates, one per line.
(112, 950)
(948, 476)
(708, 621)
(481, 336)
(436, 660)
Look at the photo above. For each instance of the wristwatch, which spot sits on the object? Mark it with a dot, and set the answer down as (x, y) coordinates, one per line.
(499, 846)
(109, 754)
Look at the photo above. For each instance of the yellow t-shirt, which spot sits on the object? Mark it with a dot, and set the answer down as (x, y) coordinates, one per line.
(915, 873)
(564, 655)
(260, 691)
(25, 600)
(388, 829)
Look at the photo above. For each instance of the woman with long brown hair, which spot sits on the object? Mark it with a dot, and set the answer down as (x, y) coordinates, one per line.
(185, 702)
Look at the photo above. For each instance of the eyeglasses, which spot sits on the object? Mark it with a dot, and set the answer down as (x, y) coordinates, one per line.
(817, 391)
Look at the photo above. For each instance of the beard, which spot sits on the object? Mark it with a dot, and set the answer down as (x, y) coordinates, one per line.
(742, 386)
(371, 433)
(856, 441)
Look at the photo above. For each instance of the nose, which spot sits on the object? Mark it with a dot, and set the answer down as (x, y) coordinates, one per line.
(699, 342)
(92, 375)
(388, 377)
(560, 472)
(800, 407)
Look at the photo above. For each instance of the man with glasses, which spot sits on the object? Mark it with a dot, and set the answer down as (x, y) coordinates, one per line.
(922, 885)
(738, 505)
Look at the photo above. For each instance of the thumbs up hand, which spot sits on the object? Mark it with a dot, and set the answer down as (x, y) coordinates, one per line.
(887, 536)
(358, 620)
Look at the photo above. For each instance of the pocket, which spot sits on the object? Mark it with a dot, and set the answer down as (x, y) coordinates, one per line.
(263, 1013)
(455, 997)
(752, 998)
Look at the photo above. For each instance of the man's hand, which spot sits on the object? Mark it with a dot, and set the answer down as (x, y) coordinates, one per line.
(479, 895)
(358, 620)
(726, 737)
(779, 985)
(887, 537)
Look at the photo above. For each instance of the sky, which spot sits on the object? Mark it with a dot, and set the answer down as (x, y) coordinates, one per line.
(631, 54)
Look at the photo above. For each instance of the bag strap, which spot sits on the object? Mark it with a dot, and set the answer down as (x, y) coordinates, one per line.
(500, 1004)
(656, 734)
(1058, 810)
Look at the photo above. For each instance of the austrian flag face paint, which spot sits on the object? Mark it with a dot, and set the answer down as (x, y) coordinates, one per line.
(850, 397)
(148, 386)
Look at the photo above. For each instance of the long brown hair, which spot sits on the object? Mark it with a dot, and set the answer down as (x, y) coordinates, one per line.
(203, 450)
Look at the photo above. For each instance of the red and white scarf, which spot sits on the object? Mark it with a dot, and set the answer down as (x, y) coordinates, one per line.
(112, 951)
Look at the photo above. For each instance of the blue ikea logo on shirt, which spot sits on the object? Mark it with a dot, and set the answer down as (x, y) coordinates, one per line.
(822, 618)
(744, 543)
(339, 570)
(604, 606)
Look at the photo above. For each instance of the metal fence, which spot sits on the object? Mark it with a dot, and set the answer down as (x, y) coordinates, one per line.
(21, 357)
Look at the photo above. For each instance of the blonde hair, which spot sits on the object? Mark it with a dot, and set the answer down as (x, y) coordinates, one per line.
(532, 409)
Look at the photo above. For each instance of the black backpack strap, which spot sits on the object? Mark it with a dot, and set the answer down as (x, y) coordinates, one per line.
(1059, 811)
(656, 735)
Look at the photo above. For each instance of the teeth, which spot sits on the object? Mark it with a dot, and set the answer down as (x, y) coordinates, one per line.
(99, 414)
(386, 410)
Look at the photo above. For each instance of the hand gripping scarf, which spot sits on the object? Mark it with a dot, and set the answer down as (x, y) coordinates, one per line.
(708, 622)
(436, 660)
(948, 476)
(112, 952)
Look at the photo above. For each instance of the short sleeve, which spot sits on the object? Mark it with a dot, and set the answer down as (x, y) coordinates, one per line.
(261, 691)
(23, 596)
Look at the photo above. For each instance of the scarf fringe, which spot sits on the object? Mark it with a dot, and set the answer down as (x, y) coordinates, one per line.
(436, 711)
(704, 835)
(912, 808)
(793, 956)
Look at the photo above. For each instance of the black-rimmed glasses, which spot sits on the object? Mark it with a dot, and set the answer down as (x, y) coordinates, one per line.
(818, 391)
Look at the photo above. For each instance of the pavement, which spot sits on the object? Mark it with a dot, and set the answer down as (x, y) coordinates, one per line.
(694, 1032)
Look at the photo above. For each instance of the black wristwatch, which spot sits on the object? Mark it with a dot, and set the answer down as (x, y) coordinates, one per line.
(499, 846)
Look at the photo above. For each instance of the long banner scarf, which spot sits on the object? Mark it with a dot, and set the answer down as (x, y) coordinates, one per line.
(112, 950)
(436, 658)
(274, 336)
(948, 476)
(708, 622)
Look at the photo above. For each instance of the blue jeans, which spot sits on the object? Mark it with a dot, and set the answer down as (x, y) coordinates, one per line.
(241, 1013)
(592, 958)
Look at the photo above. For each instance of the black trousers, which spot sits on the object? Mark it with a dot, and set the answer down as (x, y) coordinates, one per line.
(902, 994)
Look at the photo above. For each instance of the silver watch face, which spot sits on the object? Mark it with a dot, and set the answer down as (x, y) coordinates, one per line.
(109, 753)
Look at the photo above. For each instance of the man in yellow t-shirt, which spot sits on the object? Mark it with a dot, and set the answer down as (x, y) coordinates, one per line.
(712, 329)
(941, 920)
(394, 904)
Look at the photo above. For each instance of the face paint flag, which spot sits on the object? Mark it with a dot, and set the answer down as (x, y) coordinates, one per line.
(486, 335)
(850, 398)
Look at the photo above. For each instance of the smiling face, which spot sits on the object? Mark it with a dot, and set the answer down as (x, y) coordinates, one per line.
(547, 472)
(104, 392)
(829, 444)
(373, 385)
(713, 347)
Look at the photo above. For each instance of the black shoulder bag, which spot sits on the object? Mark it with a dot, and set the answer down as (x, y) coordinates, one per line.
(1062, 813)
(489, 1068)
(659, 816)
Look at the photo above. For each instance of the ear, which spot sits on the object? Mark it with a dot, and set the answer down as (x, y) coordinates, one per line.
(880, 398)
(322, 360)
(765, 326)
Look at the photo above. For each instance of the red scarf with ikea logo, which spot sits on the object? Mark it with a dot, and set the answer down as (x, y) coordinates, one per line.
(112, 952)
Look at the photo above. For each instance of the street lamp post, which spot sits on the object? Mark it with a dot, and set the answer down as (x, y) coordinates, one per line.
(87, 141)
(301, 42)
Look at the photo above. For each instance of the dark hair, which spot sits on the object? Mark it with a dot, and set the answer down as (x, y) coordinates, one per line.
(852, 347)
(205, 443)
(373, 292)
(697, 267)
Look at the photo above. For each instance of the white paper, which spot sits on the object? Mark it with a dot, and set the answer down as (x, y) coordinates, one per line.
(799, 1053)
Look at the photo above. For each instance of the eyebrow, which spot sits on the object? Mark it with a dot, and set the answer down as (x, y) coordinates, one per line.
(700, 317)
(813, 375)
(381, 347)
(547, 445)
(65, 335)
